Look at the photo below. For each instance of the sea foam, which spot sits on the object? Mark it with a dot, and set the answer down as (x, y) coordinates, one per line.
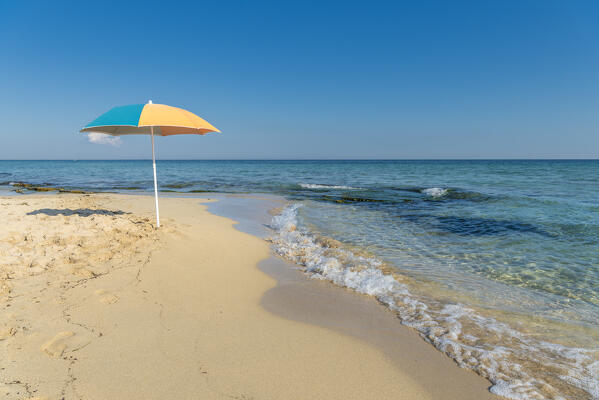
(322, 187)
(435, 192)
(518, 365)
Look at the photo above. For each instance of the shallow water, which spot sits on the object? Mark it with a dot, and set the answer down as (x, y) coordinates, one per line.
(496, 263)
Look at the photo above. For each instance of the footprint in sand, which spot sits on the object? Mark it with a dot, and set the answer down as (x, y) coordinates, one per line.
(57, 346)
(82, 272)
(6, 332)
(10, 327)
(106, 297)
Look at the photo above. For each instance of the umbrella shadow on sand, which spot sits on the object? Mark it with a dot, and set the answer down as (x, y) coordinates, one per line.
(82, 212)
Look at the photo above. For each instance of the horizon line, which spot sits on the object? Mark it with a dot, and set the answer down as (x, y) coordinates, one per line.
(304, 159)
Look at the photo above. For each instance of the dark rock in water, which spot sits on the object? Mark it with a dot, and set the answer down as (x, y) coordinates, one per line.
(347, 199)
(22, 187)
(21, 184)
(72, 191)
(178, 185)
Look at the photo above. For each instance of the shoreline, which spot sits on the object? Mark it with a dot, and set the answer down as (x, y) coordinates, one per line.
(324, 304)
(321, 303)
(193, 319)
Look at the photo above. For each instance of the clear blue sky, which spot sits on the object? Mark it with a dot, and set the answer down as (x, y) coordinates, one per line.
(417, 79)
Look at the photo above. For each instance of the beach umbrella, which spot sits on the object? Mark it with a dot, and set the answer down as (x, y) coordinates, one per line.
(149, 119)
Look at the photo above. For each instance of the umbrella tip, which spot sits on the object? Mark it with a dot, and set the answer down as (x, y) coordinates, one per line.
(149, 101)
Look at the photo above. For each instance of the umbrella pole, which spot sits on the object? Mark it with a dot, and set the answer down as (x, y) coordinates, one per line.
(155, 182)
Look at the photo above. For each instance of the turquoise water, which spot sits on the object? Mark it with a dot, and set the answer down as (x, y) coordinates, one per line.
(496, 263)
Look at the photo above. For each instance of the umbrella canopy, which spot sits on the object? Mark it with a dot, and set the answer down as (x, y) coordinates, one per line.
(136, 119)
(149, 119)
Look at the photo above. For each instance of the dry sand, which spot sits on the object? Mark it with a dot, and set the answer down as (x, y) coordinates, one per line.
(96, 304)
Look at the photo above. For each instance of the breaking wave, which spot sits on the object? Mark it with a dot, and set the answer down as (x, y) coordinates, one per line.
(435, 192)
(325, 187)
(519, 365)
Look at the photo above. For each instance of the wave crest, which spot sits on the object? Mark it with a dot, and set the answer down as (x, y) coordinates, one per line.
(435, 192)
(325, 187)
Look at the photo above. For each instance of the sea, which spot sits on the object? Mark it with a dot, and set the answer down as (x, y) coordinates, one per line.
(493, 262)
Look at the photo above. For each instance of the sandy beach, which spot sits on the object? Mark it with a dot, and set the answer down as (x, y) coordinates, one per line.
(297, 200)
(97, 304)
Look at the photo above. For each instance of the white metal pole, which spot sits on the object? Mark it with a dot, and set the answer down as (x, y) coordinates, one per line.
(155, 182)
